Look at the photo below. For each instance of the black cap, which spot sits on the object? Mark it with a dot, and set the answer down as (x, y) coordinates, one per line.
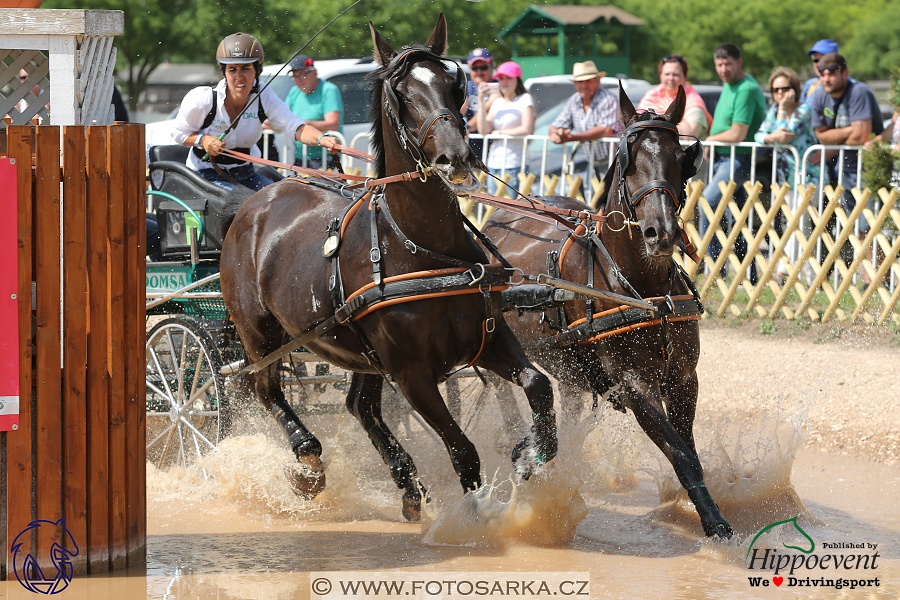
(298, 63)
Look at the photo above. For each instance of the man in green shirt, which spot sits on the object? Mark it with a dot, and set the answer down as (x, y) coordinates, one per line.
(317, 102)
(739, 113)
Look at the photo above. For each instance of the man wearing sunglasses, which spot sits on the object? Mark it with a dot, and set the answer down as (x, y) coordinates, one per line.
(819, 49)
(317, 102)
(481, 70)
(844, 112)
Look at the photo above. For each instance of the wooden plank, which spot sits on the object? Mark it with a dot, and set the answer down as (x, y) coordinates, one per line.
(62, 21)
(98, 377)
(116, 149)
(135, 327)
(19, 508)
(48, 455)
(75, 336)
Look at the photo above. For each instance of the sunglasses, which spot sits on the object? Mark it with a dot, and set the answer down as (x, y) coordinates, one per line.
(672, 57)
(830, 69)
(480, 67)
(781, 89)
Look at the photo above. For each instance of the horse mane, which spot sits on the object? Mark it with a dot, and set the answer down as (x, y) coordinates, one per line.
(375, 80)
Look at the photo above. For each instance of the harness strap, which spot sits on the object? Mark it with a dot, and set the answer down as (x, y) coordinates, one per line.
(656, 184)
(623, 319)
(436, 114)
(375, 251)
(416, 249)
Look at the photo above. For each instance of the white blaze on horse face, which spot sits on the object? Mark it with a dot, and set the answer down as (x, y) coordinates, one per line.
(423, 74)
(315, 303)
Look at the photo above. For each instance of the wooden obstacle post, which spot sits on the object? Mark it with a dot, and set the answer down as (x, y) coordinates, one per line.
(79, 451)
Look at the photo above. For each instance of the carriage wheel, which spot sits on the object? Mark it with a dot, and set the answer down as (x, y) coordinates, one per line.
(187, 411)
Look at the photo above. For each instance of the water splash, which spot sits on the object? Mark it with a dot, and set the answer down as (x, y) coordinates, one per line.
(747, 461)
(544, 510)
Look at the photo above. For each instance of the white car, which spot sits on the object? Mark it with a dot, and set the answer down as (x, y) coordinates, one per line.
(550, 90)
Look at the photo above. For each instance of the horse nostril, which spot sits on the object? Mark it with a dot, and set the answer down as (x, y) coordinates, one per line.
(443, 159)
(650, 233)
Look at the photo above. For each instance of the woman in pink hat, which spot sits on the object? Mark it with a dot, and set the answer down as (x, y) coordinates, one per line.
(509, 112)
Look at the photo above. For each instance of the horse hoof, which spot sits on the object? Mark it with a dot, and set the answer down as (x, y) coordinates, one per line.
(412, 508)
(523, 459)
(718, 529)
(309, 481)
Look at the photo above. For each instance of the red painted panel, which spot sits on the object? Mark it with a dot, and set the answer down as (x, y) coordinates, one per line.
(9, 304)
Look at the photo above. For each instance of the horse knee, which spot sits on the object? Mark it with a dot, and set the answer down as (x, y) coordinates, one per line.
(539, 390)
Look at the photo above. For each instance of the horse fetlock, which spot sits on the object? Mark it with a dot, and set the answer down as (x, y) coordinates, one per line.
(545, 440)
(304, 446)
(714, 524)
(402, 469)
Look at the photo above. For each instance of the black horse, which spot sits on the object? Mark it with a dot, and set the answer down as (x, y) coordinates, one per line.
(651, 366)
(275, 279)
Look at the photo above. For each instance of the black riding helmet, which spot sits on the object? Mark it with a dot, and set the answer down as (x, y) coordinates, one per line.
(240, 49)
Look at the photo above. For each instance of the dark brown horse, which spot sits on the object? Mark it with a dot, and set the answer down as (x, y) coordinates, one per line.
(275, 279)
(638, 368)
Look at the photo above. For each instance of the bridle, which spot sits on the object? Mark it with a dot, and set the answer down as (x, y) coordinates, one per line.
(413, 144)
(650, 120)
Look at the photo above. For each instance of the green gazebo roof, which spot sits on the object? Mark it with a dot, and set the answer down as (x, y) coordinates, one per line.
(537, 20)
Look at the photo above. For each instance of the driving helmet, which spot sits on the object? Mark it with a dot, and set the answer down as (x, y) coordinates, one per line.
(239, 49)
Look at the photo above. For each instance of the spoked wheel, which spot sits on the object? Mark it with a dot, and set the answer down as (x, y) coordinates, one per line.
(187, 412)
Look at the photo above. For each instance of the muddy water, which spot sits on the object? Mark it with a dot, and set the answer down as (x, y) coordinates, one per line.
(608, 506)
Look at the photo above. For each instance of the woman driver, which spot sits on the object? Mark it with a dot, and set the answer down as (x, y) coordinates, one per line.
(207, 112)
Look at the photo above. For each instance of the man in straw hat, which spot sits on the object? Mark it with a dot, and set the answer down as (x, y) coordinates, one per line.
(590, 114)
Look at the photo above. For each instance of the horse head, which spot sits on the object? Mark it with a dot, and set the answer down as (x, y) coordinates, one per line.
(652, 169)
(418, 95)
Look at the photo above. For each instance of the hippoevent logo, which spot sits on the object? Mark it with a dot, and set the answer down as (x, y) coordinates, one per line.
(27, 569)
(806, 568)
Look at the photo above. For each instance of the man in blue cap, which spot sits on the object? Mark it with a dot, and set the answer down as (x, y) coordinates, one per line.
(818, 50)
(481, 70)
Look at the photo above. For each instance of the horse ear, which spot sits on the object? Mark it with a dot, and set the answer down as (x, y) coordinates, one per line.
(626, 108)
(383, 51)
(437, 41)
(675, 112)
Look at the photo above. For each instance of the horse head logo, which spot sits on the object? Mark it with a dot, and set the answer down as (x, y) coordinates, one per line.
(796, 526)
(29, 572)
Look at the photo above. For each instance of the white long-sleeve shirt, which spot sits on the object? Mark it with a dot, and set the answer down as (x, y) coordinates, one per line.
(197, 104)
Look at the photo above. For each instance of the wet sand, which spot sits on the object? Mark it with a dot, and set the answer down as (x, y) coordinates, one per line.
(767, 438)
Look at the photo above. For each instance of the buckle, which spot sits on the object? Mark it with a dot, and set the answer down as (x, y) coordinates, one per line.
(375, 255)
(489, 325)
(472, 275)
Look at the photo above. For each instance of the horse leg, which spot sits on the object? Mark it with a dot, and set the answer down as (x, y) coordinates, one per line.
(261, 334)
(364, 403)
(682, 406)
(424, 396)
(506, 358)
(304, 444)
(650, 415)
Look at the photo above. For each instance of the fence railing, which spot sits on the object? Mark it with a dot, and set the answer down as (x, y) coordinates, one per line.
(806, 255)
(79, 451)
